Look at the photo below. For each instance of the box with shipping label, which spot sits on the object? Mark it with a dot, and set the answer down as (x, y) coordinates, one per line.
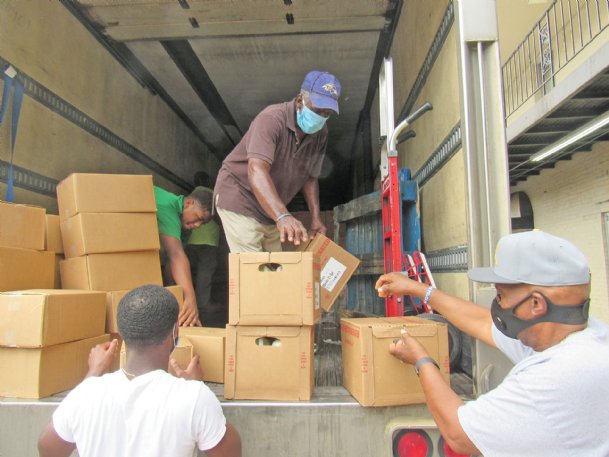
(182, 354)
(336, 265)
(52, 232)
(36, 318)
(105, 193)
(41, 372)
(94, 233)
(114, 271)
(22, 226)
(269, 363)
(209, 344)
(113, 299)
(26, 269)
(376, 378)
(273, 288)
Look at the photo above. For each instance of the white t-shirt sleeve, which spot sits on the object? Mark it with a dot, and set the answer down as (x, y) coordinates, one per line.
(209, 419)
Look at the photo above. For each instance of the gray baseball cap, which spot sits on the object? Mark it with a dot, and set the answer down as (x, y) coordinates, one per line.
(536, 258)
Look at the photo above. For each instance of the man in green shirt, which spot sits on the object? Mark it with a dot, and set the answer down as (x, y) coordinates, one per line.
(174, 213)
(202, 252)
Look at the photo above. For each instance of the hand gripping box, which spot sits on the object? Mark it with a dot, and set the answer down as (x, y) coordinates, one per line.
(376, 378)
(41, 372)
(269, 363)
(336, 267)
(209, 344)
(36, 318)
(273, 288)
(105, 193)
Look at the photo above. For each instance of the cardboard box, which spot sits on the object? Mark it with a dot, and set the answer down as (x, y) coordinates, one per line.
(22, 226)
(376, 378)
(41, 372)
(337, 266)
(105, 193)
(183, 354)
(273, 288)
(269, 363)
(52, 232)
(114, 298)
(36, 318)
(22, 269)
(93, 233)
(209, 344)
(57, 281)
(115, 271)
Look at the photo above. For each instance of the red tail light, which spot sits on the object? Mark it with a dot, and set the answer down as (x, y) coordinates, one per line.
(412, 443)
(446, 451)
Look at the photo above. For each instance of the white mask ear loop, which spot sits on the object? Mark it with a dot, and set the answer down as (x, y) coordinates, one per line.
(176, 337)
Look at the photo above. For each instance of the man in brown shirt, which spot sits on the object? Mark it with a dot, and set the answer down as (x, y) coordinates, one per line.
(280, 155)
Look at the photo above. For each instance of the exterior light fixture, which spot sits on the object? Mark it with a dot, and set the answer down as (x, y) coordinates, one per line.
(573, 137)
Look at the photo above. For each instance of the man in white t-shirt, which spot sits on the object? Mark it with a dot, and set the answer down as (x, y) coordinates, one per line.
(555, 401)
(141, 410)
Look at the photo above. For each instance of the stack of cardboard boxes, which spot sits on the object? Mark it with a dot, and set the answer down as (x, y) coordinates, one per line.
(275, 299)
(24, 264)
(110, 237)
(45, 339)
(45, 334)
(109, 230)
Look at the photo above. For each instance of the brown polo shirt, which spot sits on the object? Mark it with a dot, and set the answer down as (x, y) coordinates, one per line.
(271, 137)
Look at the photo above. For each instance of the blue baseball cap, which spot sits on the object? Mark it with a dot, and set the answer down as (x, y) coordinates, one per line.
(324, 89)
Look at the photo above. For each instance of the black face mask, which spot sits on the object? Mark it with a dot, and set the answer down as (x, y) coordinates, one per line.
(511, 325)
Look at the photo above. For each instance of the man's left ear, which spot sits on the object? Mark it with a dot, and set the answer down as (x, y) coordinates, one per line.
(539, 306)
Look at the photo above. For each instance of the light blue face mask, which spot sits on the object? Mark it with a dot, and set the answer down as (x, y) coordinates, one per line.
(309, 121)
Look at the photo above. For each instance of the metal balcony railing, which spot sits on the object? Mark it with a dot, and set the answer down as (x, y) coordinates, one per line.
(564, 30)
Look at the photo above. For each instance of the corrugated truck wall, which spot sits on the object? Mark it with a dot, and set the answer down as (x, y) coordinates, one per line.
(83, 112)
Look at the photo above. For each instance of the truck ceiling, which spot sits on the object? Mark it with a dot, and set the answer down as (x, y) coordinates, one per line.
(217, 63)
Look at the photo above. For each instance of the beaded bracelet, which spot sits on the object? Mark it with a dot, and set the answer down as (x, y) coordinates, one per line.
(427, 295)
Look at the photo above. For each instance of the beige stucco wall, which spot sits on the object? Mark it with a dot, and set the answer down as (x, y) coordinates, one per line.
(46, 42)
(570, 201)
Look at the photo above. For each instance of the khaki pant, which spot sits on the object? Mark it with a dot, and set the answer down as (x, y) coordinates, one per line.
(246, 234)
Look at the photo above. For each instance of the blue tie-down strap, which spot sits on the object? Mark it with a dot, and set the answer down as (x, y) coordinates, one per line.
(10, 81)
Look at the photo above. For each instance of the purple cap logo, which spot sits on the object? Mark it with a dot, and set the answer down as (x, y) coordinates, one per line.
(324, 89)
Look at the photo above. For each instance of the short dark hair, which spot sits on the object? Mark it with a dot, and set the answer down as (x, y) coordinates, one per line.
(203, 196)
(146, 315)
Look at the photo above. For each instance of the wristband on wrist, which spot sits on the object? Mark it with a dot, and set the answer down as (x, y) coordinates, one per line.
(427, 295)
(423, 361)
(282, 216)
